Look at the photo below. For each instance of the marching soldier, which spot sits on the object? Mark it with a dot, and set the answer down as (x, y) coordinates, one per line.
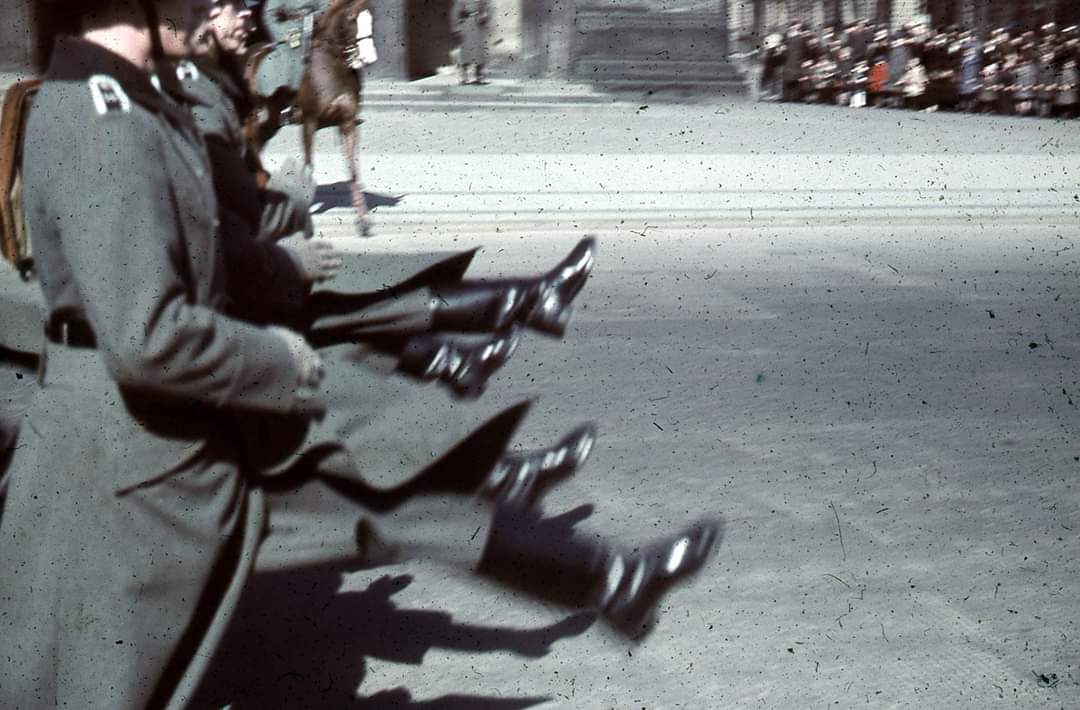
(398, 294)
(134, 514)
(517, 534)
(290, 25)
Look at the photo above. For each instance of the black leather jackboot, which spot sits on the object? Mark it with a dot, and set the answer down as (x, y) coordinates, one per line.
(547, 559)
(465, 367)
(522, 479)
(541, 303)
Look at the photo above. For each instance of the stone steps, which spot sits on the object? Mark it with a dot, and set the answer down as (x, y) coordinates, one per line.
(660, 53)
(605, 68)
(673, 78)
(674, 88)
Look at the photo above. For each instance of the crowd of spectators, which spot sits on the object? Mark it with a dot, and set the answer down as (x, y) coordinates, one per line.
(1031, 73)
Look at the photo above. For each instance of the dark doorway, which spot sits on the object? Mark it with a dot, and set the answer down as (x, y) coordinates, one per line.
(428, 36)
(35, 27)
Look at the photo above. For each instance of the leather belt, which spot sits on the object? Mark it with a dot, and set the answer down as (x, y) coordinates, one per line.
(69, 331)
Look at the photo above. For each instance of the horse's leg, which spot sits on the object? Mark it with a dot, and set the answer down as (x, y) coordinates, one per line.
(309, 140)
(268, 128)
(348, 144)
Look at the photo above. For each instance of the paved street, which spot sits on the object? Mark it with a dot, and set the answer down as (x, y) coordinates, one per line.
(729, 163)
(873, 378)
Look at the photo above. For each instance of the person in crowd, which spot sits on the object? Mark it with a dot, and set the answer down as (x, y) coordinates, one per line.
(1023, 78)
(843, 80)
(1006, 105)
(773, 56)
(471, 21)
(1047, 86)
(858, 84)
(990, 85)
(1025, 88)
(970, 68)
(899, 62)
(878, 77)
(912, 84)
(1067, 100)
(857, 38)
(795, 42)
(940, 62)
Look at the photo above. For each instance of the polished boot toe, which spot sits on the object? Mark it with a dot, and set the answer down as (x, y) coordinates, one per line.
(470, 369)
(541, 303)
(551, 296)
(465, 368)
(522, 479)
(643, 578)
(476, 308)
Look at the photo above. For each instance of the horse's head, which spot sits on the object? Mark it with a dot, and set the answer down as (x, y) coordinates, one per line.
(337, 23)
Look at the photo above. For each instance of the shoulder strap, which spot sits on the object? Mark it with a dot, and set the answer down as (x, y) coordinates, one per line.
(14, 242)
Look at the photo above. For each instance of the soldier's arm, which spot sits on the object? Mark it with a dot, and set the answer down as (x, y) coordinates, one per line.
(126, 242)
(284, 212)
(260, 272)
(264, 281)
(262, 278)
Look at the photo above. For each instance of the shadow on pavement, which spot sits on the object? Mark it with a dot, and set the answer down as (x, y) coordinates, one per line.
(297, 642)
(339, 194)
(400, 698)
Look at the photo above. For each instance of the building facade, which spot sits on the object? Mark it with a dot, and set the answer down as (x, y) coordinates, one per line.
(17, 42)
(534, 38)
(753, 17)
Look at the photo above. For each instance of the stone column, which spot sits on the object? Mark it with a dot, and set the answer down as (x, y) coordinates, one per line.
(389, 17)
(17, 41)
(505, 38)
(547, 33)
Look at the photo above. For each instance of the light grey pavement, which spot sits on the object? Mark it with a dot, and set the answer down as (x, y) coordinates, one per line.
(872, 377)
(880, 396)
(887, 417)
(734, 162)
(442, 92)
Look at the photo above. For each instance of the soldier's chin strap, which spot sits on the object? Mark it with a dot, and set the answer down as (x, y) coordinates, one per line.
(157, 52)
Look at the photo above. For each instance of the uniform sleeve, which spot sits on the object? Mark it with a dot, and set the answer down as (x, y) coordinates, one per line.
(285, 210)
(126, 243)
(262, 278)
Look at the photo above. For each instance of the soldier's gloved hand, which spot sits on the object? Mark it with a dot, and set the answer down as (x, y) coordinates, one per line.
(307, 360)
(317, 259)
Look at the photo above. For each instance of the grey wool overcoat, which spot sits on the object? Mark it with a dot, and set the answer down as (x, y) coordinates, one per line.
(284, 66)
(127, 485)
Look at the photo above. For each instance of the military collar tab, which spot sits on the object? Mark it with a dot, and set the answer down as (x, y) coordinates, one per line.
(169, 76)
(187, 71)
(108, 95)
(77, 60)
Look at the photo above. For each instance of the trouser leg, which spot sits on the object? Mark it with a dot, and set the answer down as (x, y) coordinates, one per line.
(376, 298)
(545, 557)
(381, 295)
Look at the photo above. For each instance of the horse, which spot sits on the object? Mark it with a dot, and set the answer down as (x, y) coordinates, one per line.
(329, 94)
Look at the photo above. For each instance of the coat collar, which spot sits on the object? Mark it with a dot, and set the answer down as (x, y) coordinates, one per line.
(225, 75)
(75, 60)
